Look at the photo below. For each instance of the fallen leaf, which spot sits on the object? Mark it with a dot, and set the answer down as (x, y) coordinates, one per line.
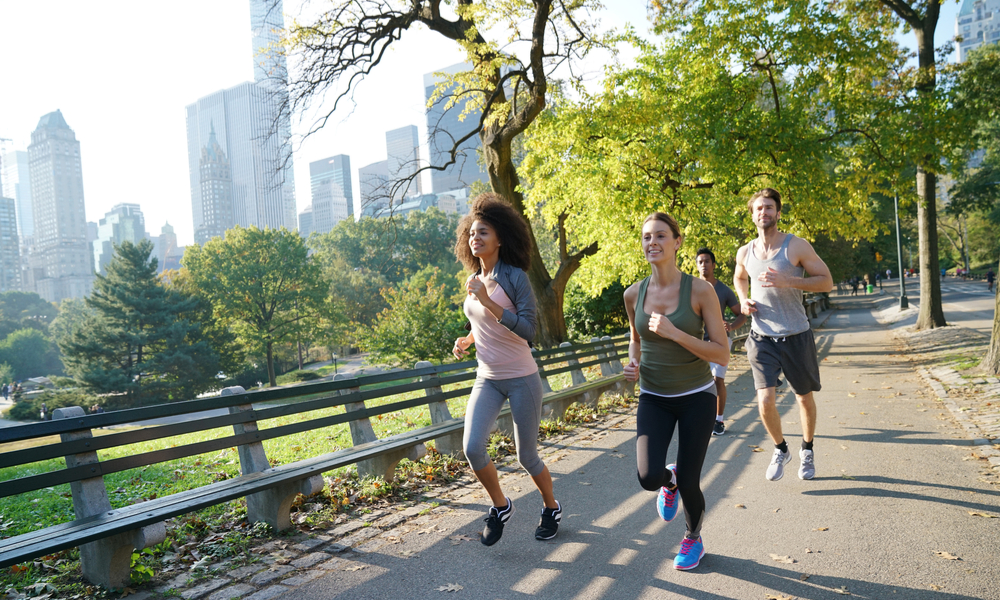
(808, 551)
(934, 587)
(757, 450)
(803, 577)
(458, 539)
(779, 597)
(451, 587)
(886, 387)
(356, 568)
(984, 515)
(842, 590)
(783, 559)
(777, 509)
(847, 477)
(843, 447)
(852, 395)
(409, 553)
(741, 506)
(855, 381)
(946, 555)
(822, 529)
(585, 483)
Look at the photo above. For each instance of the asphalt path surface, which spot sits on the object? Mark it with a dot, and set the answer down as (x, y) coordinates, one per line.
(887, 516)
(965, 302)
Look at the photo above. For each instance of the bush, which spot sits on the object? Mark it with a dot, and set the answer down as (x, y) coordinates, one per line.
(296, 377)
(28, 409)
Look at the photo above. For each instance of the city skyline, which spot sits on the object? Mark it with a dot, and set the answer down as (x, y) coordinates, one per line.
(149, 88)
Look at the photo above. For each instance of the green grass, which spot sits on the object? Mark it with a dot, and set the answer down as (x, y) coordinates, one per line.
(345, 491)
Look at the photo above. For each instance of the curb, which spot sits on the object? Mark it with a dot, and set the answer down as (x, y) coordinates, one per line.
(983, 440)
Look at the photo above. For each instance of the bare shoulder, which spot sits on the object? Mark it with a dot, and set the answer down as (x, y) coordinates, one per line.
(741, 254)
(632, 292)
(703, 290)
(800, 248)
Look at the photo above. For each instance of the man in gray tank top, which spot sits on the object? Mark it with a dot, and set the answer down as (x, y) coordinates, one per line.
(772, 271)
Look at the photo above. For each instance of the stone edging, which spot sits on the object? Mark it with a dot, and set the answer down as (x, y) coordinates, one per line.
(984, 433)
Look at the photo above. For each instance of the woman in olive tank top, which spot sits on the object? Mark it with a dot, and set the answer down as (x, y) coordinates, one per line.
(669, 312)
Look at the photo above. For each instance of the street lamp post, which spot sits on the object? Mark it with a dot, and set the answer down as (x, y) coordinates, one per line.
(903, 302)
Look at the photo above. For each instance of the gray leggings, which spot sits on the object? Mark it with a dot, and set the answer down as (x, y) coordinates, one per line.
(485, 402)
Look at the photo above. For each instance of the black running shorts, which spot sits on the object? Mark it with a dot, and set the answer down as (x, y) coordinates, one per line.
(795, 355)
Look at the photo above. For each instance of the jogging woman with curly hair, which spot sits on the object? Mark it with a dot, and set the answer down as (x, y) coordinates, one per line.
(494, 244)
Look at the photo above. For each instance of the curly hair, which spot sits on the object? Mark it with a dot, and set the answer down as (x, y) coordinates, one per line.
(510, 226)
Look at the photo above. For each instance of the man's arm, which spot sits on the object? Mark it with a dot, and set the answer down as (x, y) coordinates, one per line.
(741, 281)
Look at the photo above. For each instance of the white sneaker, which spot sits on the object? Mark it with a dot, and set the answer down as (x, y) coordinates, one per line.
(776, 469)
(807, 468)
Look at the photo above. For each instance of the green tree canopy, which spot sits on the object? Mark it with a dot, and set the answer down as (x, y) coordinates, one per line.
(30, 354)
(735, 97)
(136, 342)
(263, 286)
(420, 323)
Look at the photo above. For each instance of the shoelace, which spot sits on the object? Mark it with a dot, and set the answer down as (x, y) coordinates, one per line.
(778, 457)
(807, 459)
(686, 545)
(669, 497)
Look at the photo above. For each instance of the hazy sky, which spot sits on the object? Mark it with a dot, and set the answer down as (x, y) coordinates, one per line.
(123, 71)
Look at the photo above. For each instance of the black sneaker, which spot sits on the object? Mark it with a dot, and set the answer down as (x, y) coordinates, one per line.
(719, 428)
(494, 523)
(549, 524)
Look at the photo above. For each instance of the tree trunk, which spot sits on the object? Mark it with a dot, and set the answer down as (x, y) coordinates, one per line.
(270, 365)
(931, 314)
(549, 297)
(991, 362)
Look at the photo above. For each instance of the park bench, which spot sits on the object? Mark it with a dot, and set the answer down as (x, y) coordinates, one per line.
(108, 537)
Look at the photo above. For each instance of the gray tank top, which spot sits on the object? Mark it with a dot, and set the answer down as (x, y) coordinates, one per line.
(779, 310)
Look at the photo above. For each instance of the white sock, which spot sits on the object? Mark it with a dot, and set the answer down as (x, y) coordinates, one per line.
(718, 418)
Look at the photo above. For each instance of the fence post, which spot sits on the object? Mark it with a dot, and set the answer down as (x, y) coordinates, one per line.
(362, 432)
(271, 506)
(446, 444)
(106, 562)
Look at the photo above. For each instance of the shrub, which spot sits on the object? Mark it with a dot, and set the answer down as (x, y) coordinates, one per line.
(28, 409)
(296, 377)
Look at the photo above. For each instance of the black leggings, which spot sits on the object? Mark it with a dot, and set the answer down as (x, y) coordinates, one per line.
(694, 416)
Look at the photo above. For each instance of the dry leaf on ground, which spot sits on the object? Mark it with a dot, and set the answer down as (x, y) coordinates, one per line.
(803, 577)
(458, 539)
(946, 555)
(808, 551)
(822, 529)
(780, 597)
(741, 506)
(984, 515)
(852, 395)
(788, 560)
(842, 590)
(356, 568)
(451, 587)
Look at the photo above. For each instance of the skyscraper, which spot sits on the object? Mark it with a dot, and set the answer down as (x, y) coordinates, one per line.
(267, 21)
(61, 265)
(978, 22)
(165, 248)
(332, 196)
(123, 223)
(443, 130)
(216, 178)
(374, 182)
(306, 222)
(17, 185)
(10, 255)
(253, 133)
(402, 146)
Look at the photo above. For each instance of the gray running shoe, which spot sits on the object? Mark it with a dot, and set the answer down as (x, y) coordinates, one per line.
(807, 468)
(776, 470)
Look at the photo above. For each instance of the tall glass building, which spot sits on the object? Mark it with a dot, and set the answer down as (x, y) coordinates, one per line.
(253, 132)
(16, 180)
(402, 146)
(443, 129)
(977, 23)
(123, 223)
(10, 254)
(332, 196)
(61, 265)
(374, 182)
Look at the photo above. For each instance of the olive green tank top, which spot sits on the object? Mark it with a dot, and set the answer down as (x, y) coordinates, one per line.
(666, 367)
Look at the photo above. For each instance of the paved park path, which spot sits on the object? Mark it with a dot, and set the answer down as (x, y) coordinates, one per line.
(888, 515)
